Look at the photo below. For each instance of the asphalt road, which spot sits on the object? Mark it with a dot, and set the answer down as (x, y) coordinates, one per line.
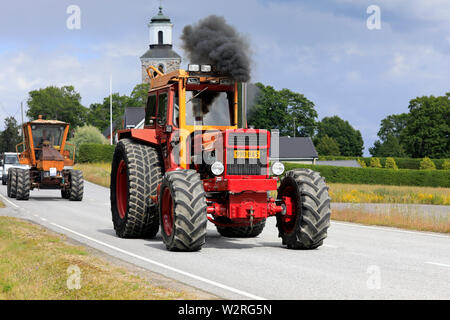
(356, 262)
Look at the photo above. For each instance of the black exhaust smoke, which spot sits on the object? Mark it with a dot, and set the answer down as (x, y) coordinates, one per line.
(213, 41)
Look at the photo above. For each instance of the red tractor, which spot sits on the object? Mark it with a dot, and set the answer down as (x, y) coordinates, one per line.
(193, 162)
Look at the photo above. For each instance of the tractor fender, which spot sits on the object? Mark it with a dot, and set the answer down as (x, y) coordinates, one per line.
(144, 135)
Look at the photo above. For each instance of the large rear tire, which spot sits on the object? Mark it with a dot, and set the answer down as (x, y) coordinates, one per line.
(76, 186)
(182, 208)
(135, 175)
(242, 232)
(12, 183)
(306, 220)
(23, 184)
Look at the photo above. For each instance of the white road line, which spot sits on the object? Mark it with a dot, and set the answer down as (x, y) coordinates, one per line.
(330, 246)
(438, 264)
(190, 275)
(11, 203)
(43, 219)
(355, 225)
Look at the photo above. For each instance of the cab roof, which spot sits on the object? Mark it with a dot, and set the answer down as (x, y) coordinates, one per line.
(42, 121)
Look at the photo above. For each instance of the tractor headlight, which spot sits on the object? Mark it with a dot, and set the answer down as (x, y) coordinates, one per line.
(206, 68)
(194, 67)
(217, 168)
(277, 168)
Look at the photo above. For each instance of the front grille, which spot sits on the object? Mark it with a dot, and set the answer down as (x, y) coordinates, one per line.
(246, 169)
(254, 167)
(247, 139)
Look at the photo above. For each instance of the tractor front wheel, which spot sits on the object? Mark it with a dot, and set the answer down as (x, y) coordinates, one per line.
(12, 183)
(75, 193)
(23, 184)
(304, 222)
(182, 211)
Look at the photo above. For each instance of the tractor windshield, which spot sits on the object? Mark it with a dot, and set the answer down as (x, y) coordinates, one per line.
(50, 135)
(209, 108)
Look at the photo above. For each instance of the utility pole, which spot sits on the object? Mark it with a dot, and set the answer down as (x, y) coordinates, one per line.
(110, 109)
(21, 112)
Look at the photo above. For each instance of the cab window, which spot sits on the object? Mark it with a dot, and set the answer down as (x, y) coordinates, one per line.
(162, 108)
(150, 110)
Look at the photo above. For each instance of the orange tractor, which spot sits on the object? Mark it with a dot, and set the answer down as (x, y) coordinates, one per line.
(49, 163)
(196, 160)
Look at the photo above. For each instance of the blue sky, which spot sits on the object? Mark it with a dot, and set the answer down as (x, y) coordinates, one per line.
(322, 49)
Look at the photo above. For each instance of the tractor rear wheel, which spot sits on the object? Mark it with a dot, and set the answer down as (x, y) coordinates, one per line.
(135, 175)
(182, 211)
(76, 190)
(306, 219)
(242, 232)
(23, 184)
(12, 183)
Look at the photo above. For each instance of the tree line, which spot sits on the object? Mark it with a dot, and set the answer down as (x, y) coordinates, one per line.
(422, 132)
(294, 115)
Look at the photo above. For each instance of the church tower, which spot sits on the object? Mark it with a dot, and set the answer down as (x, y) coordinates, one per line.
(160, 54)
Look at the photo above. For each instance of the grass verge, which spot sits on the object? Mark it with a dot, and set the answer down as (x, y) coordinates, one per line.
(358, 193)
(405, 220)
(2, 205)
(98, 173)
(34, 264)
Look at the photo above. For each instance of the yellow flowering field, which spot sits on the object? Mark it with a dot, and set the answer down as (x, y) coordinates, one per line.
(388, 194)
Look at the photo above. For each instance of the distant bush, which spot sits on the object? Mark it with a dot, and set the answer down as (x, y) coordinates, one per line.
(375, 163)
(404, 177)
(86, 134)
(91, 152)
(427, 164)
(390, 164)
(446, 165)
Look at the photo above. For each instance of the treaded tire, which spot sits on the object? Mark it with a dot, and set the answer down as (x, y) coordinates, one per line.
(144, 169)
(188, 208)
(309, 194)
(23, 184)
(12, 182)
(242, 232)
(76, 185)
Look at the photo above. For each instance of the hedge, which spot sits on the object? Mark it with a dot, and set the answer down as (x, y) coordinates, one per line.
(403, 177)
(91, 152)
(402, 163)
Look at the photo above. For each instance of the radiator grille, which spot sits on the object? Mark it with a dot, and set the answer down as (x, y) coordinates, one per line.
(255, 167)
